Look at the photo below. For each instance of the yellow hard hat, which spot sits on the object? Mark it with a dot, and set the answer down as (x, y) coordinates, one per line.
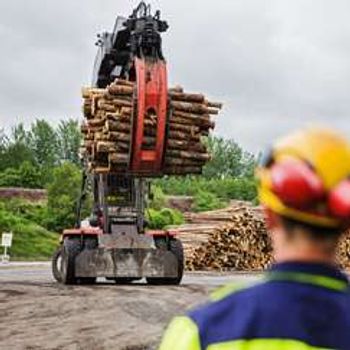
(306, 176)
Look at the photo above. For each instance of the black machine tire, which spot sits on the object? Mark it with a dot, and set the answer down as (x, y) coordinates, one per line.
(175, 246)
(89, 243)
(55, 264)
(71, 248)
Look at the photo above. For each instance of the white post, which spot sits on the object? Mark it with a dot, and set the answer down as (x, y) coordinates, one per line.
(6, 242)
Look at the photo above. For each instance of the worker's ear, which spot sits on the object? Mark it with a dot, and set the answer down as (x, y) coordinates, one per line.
(271, 218)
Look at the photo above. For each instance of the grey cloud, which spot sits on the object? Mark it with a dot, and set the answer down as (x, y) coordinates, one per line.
(276, 64)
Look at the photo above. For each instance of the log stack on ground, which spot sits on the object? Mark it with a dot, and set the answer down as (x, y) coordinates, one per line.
(108, 127)
(239, 241)
(235, 238)
(200, 226)
(343, 253)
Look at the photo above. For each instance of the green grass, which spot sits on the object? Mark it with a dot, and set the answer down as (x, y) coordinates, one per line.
(30, 240)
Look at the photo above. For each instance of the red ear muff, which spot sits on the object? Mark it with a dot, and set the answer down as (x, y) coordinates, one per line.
(339, 200)
(296, 184)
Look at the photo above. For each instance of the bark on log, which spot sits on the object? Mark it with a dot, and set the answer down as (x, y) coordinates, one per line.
(88, 92)
(120, 90)
(119, 136)
(195, 119)
(121, 116)
(94, 130)
(105, 147)
(185, 146)
(191, 129)
(188, 155)
(189, 107)
(106, 107)
(176, 88)
(96, 123)
(116, 126)
(111, 105)
(124, 82)
(118, 158)
(84, 128)
(89, 137)
(179, 135)
(217, 105)
(88, 144)
(180, 96)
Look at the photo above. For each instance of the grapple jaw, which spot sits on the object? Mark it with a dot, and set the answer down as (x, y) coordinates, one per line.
(151, 106)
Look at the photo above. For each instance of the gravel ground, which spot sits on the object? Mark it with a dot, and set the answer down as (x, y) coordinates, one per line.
(37, 313)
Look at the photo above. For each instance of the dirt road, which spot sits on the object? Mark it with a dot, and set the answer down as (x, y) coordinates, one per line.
(37, 313)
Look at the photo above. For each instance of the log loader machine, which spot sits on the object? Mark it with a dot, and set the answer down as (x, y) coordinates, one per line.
(116, 245)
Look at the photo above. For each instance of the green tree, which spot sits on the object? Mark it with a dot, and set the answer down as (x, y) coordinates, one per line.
(30, 176)
(14, 150)
(19, 134)
(14, 155)
(10, 177)
(43, 141)
(4, 140)
(27, 175)
(228, 159)
(63, 193)
(69, 138)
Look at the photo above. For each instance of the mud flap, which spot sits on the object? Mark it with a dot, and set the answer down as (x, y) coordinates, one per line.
(133, 263)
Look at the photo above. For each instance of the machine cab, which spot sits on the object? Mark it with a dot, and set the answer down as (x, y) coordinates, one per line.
(122, 201)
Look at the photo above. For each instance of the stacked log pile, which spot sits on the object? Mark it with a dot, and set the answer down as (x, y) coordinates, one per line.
(194, 236)
(238, 242)
(235, 238)
(200, 226)
(343, 253)
(108, 127)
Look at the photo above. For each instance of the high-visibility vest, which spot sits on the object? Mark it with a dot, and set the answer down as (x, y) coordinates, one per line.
(297, 306)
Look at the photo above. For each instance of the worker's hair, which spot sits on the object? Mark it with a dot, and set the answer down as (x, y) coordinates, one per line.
(314, 232)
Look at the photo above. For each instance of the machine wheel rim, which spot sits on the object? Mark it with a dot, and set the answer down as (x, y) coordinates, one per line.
(63, 267)
(59, 263)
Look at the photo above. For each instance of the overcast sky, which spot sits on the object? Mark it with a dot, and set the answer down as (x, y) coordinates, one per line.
(276, 64)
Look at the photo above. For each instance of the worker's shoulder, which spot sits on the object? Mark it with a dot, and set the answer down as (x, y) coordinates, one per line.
(275, 310)
(272, 299)
(228, 299)
(233, 289)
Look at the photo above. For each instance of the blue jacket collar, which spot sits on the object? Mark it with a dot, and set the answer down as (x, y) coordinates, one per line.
(320, 269)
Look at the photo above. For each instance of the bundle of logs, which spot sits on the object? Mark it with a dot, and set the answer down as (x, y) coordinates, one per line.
(107, 129)
(235, 238)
